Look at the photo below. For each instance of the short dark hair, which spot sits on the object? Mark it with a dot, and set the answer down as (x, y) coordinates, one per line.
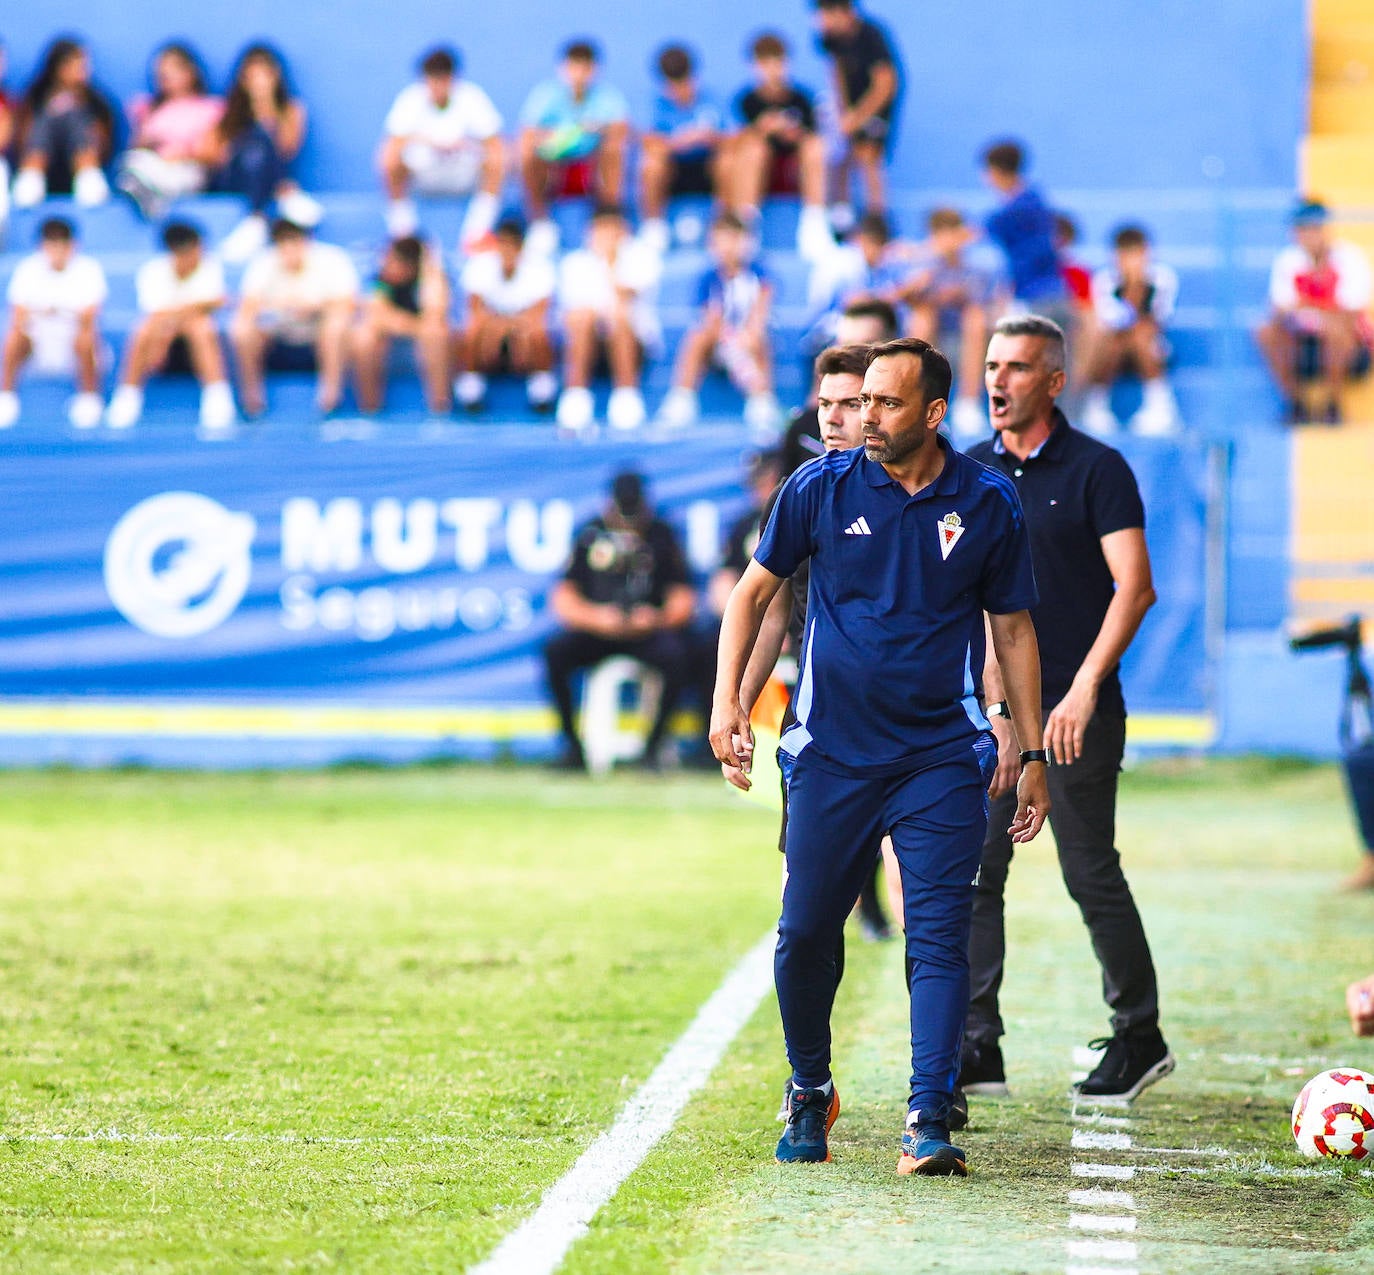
(510, 227)
(1065, 228)
(874, 308)
(605, 212)
(842, 360)
(768, 44)
(180, 235)
(728, 221)
(874, 225)
(944, 219)
(1005, 157)
(833, 4)
(410, 249)
(1036, 325)
(283, 229)
(1130, 237)
(936, 376)
(581, 50)
(443, 59)
(675, 62)
(55, 230)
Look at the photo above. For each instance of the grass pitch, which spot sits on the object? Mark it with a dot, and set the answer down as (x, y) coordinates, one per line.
(362, 1020)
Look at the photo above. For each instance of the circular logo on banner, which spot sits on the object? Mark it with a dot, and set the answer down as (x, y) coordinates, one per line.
(176, 565)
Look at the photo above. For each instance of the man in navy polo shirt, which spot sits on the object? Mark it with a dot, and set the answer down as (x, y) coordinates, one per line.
(909, 544)
(1087, 532)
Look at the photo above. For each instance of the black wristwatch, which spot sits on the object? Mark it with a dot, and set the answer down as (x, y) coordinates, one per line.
(999, 709)
(1034, 754)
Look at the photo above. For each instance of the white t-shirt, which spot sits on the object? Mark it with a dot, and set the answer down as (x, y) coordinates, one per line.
(1295, 281)
(469, 116)
(534, 281)
(1118, 315)
(160, 288)
(62, 295)
(327, 275)
(588, 282)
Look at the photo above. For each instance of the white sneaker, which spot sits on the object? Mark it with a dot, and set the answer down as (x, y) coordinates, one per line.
(90, 189)
(541, 239)
(298, 207)
(815, 241)
(30, 188)
(688, 229)
(763, 415)
(679, 408)
(576, 409)
(9, 408)
(126, 406)
(85, 411)
(967, 420)
(843, 218)
(402, 218)
(1098, 417)
(625, 411)
(540, 389)
(217, 411)
(1158, 414)
(470, 389)
(246, 240)
(655, 235)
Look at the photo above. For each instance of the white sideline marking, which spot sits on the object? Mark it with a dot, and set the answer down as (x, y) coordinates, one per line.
(1111, 1250)
(1091, 1140)
(1260, 1170)
(1099, 1198)
(1097, 1222)
(1101, 1270)
(1096, 1117)
(1111, 1172)
(539, 1244)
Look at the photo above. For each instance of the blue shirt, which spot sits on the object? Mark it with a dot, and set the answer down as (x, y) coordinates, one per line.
(735, 297)
(1023, 228)
(551, 105)
(892, 660)
(672, 118)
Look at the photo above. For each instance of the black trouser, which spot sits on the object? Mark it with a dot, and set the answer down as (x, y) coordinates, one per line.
(668, 652)
(1083, 816)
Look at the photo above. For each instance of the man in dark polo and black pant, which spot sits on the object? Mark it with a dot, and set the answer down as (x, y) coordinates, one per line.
(626, 591)
(1087, 532)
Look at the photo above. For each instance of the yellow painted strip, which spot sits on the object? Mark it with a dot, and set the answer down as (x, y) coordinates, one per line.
(277, 721)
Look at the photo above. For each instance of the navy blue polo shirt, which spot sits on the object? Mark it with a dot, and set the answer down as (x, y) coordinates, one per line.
(892, 659)
(1074, 490)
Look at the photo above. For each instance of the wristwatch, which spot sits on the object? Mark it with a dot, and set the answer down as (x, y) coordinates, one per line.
(999, 709)
(1034, 754)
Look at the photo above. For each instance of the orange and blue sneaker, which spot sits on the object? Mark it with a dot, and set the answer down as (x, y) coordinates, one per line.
(927, 1151)
(810, 1115)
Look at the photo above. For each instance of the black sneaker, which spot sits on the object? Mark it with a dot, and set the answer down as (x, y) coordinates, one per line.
(958, 1111)
(981, 1071)
(1132, 1063)
(571, 758)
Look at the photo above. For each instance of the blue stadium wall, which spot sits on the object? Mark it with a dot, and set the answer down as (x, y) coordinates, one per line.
(1109, 92)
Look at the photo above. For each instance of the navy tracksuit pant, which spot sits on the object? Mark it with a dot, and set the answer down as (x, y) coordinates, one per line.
(937, 816)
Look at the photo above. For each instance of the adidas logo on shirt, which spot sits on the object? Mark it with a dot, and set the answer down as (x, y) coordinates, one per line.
(859, 528)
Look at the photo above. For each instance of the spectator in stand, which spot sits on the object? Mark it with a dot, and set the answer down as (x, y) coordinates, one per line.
(574, 138)
(179, 292)
(7, 120)
(866, 322)
(297, 303)
(734, 300)
(509, 293)
(684, 152)
(1133, 300)
(626, 591)
(868, 83)
(55, 295)
(66, 131)
(607, 295)
(869, 266)
(259, 136)
(408, 300)
(778, 150)
(1022, 225)
(172, 133)
(952, 293)
(1318, 329)
(1078, 282)
(443, 137)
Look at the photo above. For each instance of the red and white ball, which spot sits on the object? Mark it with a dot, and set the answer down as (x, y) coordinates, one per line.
(1334, 1115)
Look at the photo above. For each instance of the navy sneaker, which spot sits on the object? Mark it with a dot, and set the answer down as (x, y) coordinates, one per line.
(928, 1152)
(1133, 1062)
(810, 1114)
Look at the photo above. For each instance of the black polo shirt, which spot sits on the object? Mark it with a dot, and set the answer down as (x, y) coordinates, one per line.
(1074, 490)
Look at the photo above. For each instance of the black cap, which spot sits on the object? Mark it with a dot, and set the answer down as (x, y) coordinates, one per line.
(627, 493)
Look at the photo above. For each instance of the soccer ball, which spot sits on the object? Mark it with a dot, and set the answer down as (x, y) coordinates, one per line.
(1334, 1115)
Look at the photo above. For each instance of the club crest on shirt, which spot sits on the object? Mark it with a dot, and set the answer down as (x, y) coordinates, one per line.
(951, 528)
